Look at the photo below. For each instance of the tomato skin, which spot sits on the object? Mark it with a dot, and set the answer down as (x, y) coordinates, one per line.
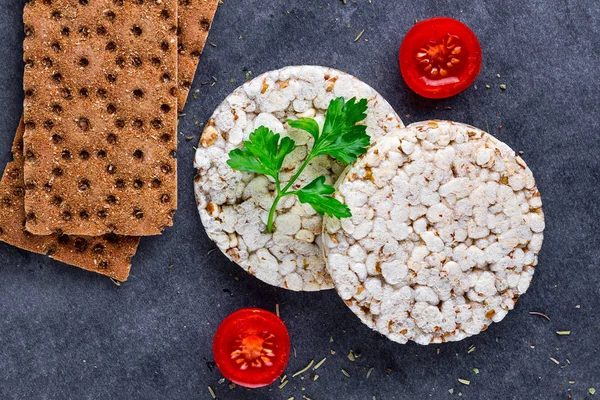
(244, 339)
(434, 41)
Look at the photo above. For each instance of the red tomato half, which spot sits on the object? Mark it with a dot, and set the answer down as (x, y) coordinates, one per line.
(440, 57)
(251, 347)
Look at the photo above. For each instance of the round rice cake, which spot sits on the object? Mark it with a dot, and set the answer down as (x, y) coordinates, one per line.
(234, 205)
(447, 223)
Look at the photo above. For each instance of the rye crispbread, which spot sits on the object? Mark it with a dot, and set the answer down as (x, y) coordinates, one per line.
(100, 116)
(107, 255)
(195, 18)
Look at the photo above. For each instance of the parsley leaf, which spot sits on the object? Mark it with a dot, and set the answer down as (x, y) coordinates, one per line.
(306, 124)
(341, 138)
(318, 195)
(263, 154)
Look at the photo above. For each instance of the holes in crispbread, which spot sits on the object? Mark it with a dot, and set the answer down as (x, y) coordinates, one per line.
(29, 31)
(84, 124)
(165, 108)
(66, 31)
(164, 45)
(111, 169)
(120, 184)
(119, 123)
(138, 93)
(47, 62)
(165, 14)
(138, 184)
(138, 213)
(99, 248)
(156, 183)
(56, 200)
(156, 123)
(56, 15)
(205, 24)
(80, 245)
(111, 138)
(101, 30)
(84, 155)
(101, 92)
(83, 185)
(136, 61)
(55, 46)
(102, 214)
(111, 199)
(111, 109)
(57, 77)
(139, 154)
(110, 15)
(138, 124)
(48, 124)
(137, 31)
(101, 154)
(66, 154)
(66, 216)
(84, 62)
(83, 214)
(57, 138)
(84, 31)
(66, 94)
(111, 78)
(120, 61)
(165, 198)
(111, 46)
(84, 92)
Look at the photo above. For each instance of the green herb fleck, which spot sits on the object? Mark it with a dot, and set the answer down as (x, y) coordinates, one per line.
(359, 36)
(345, 373)
(592, 391)
(340, 138)
(248, 75)
(476, 370)
(369, 372)
(283, 384)
(212, 392)
(319, 364)
(471, 349)
(464, 381)
(563, 333)
(303, 370)
(488, 87)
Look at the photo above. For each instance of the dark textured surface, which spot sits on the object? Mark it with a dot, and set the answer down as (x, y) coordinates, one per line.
(69, 334)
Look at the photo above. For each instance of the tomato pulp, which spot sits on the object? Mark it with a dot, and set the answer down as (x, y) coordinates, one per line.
(251, 347)
(440, 57)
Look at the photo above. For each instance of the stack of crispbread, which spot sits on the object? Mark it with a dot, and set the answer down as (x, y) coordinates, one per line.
(94, 156)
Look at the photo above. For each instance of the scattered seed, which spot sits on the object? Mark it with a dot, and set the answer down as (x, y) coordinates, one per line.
(540, 314)
(319, 363)
(277, 309)
(554, 360)
(464, 381)
(497, 75)
(351, 356)
(488, 87)
(571, 382)
(212, 392)
(315, 377)
(116, 282)
(212, 44)
(503, 86)
(345, 373)
(303, 370)
(359, 36)
(221, 381)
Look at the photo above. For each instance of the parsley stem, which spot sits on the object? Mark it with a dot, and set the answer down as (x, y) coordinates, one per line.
(284, 192)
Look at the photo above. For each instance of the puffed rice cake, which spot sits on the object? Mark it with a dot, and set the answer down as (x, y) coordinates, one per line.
(234, 205)
(446, 227)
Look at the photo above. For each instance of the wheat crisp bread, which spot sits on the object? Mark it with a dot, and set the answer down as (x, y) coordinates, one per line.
(195, 19)
(108, 255)
(100, 116)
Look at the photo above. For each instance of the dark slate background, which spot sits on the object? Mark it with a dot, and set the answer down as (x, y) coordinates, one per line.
(69, 334)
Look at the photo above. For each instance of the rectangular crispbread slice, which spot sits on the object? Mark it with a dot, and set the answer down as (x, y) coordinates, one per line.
(108, 254)
(195, 20)
(100, 116)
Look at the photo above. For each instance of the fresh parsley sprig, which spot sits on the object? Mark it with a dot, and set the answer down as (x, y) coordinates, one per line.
(341, 138)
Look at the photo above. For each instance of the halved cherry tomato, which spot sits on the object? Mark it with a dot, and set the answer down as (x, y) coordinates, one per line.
(440, 57)
(251, 347)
